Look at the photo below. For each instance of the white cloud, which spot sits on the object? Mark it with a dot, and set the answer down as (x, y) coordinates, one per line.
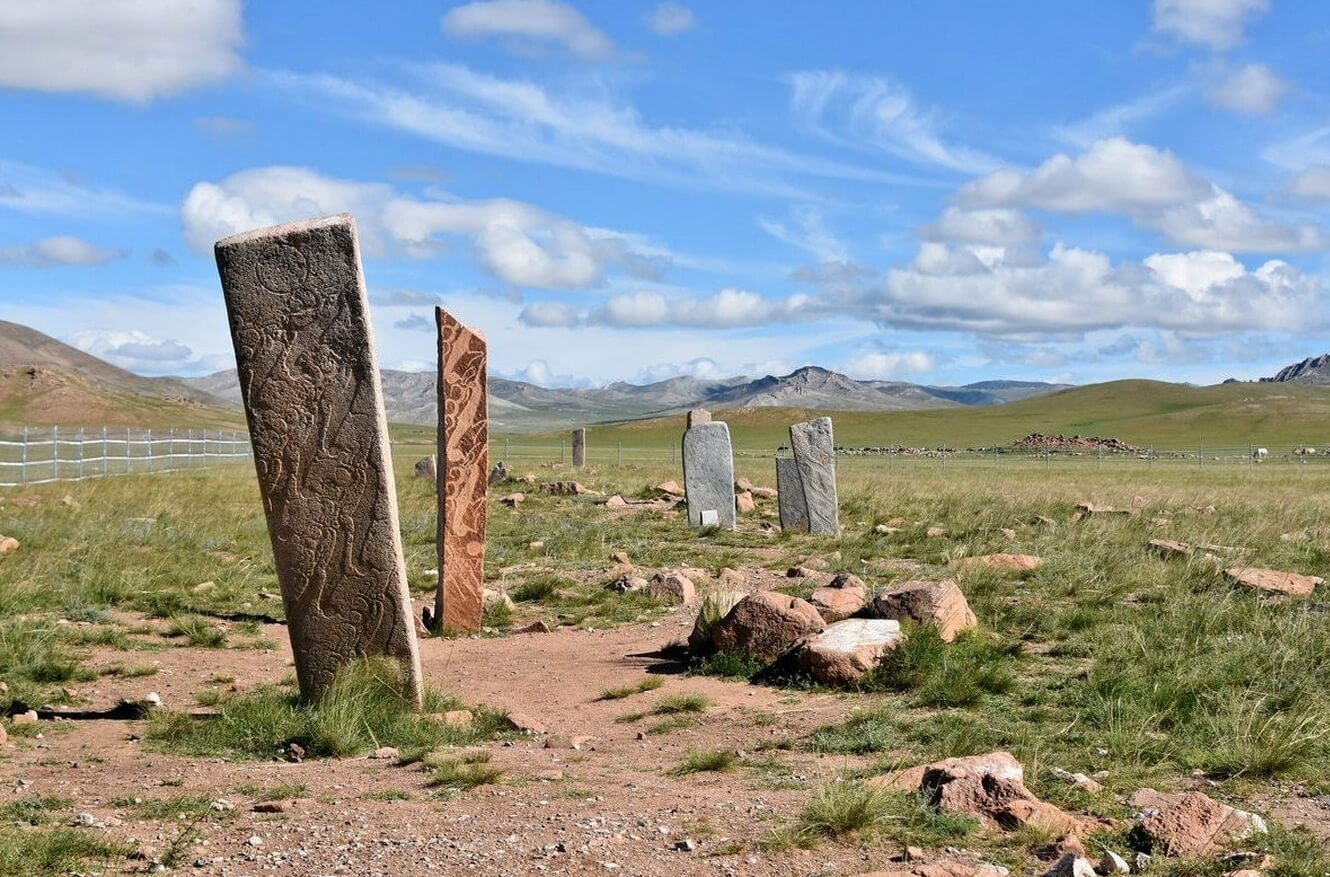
(1313, 183)
(1149, 185)
(810, 233)
(29, 189)
(516, 242)
(524, 22)
(1075, 291)
(1218, 24)
(59, 250)
(727, 309)
(139, 352)
(1117, 120)
(889, 364)
(671, 19)
(1253, 89)
(551, 314)
(583, 129)
(131, 50)
(878, 113)
(984, 226)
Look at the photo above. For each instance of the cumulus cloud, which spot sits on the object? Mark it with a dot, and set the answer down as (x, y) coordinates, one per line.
(523, 23)
(671, 19)
(140, 352)
(984, 226)
(888, 364)
(876, 112)
(1074, 291)
(130, 50)
(1218, 24)
(56, 251)
(1253, 89)
(1151, 186)
(551, 314)
(517, 243)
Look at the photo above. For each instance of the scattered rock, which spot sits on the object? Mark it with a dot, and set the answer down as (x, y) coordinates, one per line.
(563, 488)
(621, 558)
(731, 577)
(1003, 562)
(744, 502)
(427, 467)
(884, 530)
(8, 544)
(935, 532)
(715, 606)
(616, 502)
(294, 753)
(938, 603)
(765, 624)
(844, 596)
(533, 627)
(991, 788)
(255, 841)
(499, 474)
(1007, 533)
(1189, 823)
(1079, 780)
(764, 493)
(538, 545)
(1071, 865)
(24, 718)
(670, 488)
(673, 586)
(799, 572)
(685, 846)
(278, 805)
(386, 753)
(1168, 548)
(526, 724)
(1273, 581)
(4, 735)
(625, 583)
(1112, 863)
(492, 598)
(741, 484)
(848, 649)
(458, 718)
(549, 776)
(1089, 509)
(513, 500)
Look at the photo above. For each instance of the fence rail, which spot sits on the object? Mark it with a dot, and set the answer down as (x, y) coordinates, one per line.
(42, 455)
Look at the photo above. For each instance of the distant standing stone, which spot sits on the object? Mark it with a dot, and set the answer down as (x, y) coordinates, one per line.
(463, 475)
(815, 457)
(499, 474)
(427, 467)
(698, 416)
(579, 447)
(708, 475)
(309, 378)
(790, 496)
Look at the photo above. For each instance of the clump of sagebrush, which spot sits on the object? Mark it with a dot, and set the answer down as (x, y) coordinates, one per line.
(366, 707)
(850, 808)
(463, 772)
(727, 665)
(702, 761)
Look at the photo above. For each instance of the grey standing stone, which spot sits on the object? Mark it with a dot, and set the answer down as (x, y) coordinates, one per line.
(698, 416)
(815, 457)
(579, 447)
(309, 378)
(427, 467)
(708, 475)
(790, 496)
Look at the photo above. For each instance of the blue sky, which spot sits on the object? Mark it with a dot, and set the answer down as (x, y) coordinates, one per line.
(941, 192)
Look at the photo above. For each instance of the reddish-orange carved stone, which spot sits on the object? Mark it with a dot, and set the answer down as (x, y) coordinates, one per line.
(463, 474)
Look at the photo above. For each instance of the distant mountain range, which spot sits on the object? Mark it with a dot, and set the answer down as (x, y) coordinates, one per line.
(409, 397)
(1312, 370)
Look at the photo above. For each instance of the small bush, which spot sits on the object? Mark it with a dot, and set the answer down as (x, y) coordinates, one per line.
(728, 665)
(681, 703)
(463, 772)
(705, 760)
(650, 683)
(198, 631)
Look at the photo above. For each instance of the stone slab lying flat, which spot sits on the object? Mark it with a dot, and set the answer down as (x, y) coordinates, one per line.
(309, 379)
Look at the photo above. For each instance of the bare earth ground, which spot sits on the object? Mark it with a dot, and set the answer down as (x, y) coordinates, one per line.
(615, 809)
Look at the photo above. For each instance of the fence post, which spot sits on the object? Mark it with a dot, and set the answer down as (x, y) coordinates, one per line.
(205, 447)
(189, 449)
(1200, 456)
(618, 453)
(507, 450)
(55, 453)
(150, 466)
(560, 450)
(23, 459)
(80, 454)
(105, 452)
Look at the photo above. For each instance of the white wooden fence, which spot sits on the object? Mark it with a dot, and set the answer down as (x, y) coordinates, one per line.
(40, 455)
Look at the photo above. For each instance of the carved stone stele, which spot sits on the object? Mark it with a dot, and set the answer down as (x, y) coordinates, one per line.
(309, 378)
(463, 475)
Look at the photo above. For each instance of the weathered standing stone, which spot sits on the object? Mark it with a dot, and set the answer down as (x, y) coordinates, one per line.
(790, 496)
(427, 467)
(815, 457)
(698, 416)
(708, 474)
(579, 447)
(463, 475)
(309, 378)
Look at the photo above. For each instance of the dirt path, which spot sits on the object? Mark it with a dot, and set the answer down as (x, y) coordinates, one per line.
(609, 806)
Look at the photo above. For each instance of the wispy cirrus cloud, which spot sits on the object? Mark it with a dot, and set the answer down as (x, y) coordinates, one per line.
(523, 25)
(29, 189)
(57, 251)
(585, 128)
(1216, 24)
(877, 113)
